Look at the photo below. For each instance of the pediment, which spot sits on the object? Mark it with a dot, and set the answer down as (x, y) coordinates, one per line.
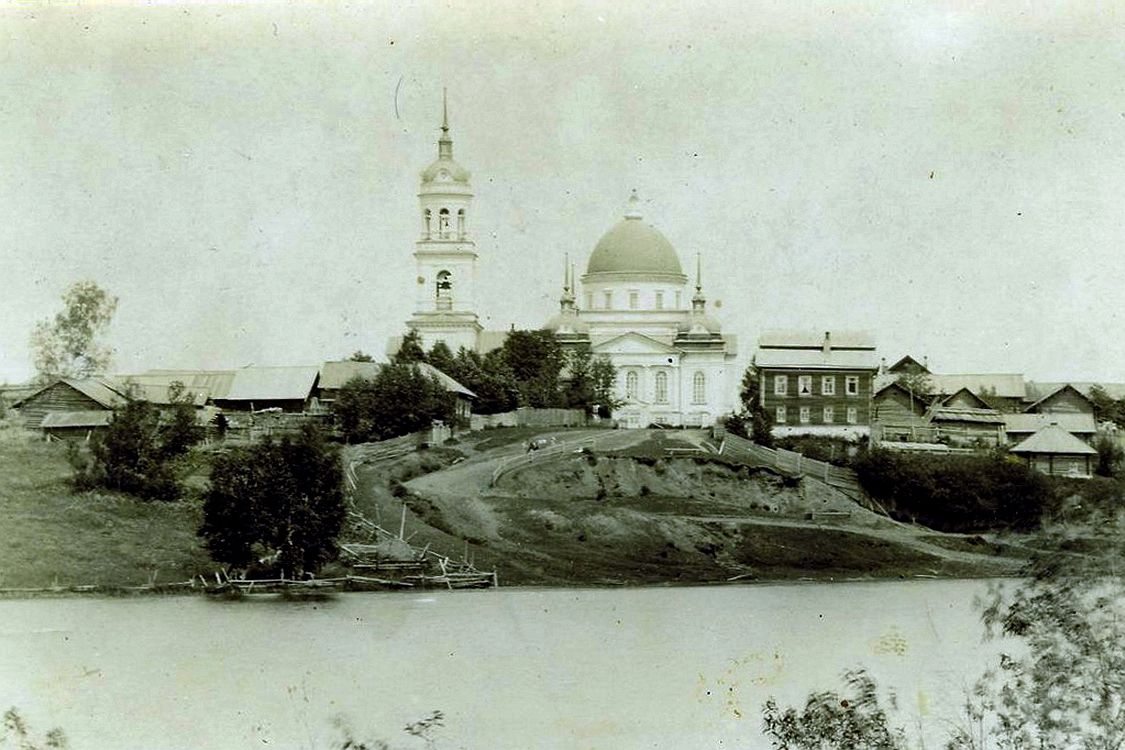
(633, 343)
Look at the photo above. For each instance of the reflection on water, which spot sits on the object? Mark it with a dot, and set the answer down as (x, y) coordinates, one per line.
(509, 668)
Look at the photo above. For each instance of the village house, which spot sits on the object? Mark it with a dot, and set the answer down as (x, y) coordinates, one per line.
(817, 384)
(1055, 452)
(334, 375)
(76, 405)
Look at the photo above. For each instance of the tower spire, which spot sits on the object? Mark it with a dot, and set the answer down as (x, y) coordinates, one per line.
(445, 143)
(698, 301)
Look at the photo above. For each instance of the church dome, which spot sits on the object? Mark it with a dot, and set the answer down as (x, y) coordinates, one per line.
(634, 247)
(445, 170)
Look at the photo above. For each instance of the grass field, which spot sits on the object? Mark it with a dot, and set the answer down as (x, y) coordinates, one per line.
(54, 536)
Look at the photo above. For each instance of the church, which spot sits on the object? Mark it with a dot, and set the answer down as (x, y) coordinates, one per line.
(633, 305)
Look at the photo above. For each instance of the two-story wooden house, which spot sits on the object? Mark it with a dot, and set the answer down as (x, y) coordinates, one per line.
(817, 384)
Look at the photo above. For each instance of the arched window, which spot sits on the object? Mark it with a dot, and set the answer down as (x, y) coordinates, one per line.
(661, 387)
(444, 285)
(461, 224)
(698, 388)
(631, 384)
(443, 223)
(426, 216)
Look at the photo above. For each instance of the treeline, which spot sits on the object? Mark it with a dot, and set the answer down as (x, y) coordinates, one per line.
(529, 369)
(955, 493)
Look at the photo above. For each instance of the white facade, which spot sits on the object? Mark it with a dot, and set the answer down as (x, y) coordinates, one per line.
(445, 257)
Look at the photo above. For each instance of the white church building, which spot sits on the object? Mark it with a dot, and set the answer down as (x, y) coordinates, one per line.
(633, 305)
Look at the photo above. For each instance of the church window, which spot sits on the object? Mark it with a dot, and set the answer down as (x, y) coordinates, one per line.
(829, 415)
(698, 388)
(828, 385)
(661, 388)
(851, 385)
(660, 300)
(804, 385)
(779, 415)
(853, 415)
(631, 384)
(632, 300)
(461, 224)
(780, 385)
(806, 415)
(444, 285)
(608, 300)
(426, 217)
(443, 223)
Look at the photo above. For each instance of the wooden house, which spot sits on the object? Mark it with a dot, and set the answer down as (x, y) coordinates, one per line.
(1002, 391)
(967, 426)
(899, 415)
(71, 395)
(817, 384)
(333, 376)
(1055, 452)
(1063, 400)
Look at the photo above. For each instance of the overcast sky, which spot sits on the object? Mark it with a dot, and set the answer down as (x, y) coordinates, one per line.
(244, 178)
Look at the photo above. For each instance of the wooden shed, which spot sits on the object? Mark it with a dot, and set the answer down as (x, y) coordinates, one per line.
(1055, 452)
(75, 425)
(70, 395)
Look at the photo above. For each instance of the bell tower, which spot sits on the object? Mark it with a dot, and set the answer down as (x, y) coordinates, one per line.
(445, 255)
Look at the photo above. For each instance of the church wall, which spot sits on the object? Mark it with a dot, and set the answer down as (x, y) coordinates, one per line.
(673, 296)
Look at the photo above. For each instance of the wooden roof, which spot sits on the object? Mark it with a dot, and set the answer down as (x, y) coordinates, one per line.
(1055, 440)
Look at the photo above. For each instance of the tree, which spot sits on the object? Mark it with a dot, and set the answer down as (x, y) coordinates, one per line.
(918, 384)
(410, 351)
(137, 452)
(830, 721)
(15, 728)
(752, 421)
(278, 500)
(67, 345)
(400, 399)
(441, 357)
(535, 360)
(489, 377)
(1106, 408)
(590, 381)
(360, 356)
(1110, 455)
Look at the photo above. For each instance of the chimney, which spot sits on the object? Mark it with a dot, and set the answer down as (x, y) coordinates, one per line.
(882, 365)
(827, 342)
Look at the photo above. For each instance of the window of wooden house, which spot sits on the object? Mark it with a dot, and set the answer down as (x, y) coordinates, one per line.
(829, 415)
(779, 415)
(851, 385)
(780, 385)
(804, 385)
(828, 385)
(853, 415)
(806, 415)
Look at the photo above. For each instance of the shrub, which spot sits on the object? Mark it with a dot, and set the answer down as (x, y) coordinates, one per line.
(955, 493)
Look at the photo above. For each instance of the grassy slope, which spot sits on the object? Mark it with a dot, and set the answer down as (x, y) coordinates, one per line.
(53, 535)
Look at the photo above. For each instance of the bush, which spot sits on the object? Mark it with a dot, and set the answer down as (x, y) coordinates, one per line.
(834, 450)
(955, 493)
(278, 501)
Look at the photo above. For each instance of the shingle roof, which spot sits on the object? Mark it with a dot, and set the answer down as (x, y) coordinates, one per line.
(333, 375)
(1054, 439)
(1003, 385)
(1073, 423)
(214, 383)
(846, 359)
(103, 391)
(1042, 390)
(450, 384)
(964, 414)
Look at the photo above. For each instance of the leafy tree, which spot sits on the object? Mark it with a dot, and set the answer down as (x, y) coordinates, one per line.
(14, 728)
(400, 399)
(590, 381)
(489, 377)
(535, 360)
(410, 351)
(137, 452)
(855, 720)
(1110, 455)
(179, 430)
(1106, 408)
(277, 500)
(360, 356)
(67, 345)
(918, 385)
(441, 357)
(752, 421)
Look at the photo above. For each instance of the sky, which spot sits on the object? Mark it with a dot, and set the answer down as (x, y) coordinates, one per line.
(243, 177)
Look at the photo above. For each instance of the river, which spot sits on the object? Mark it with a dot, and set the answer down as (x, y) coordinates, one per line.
(651, 668)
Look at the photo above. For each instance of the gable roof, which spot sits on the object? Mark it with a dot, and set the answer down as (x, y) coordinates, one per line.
(1002, 385)
(972, 396)
(104, 392)
(1040, 390)
(833, 359)
(273, 383)
(780, 339)
(1057, 391)
(645, 339)
(1053, 439)
(1071, 422)
(908, 364)
(333, 375)
(450, 384)
(213, 383)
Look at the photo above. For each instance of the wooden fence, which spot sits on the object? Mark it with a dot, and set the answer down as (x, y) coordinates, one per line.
(528, 417)
(543, 454)
(790, 462)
